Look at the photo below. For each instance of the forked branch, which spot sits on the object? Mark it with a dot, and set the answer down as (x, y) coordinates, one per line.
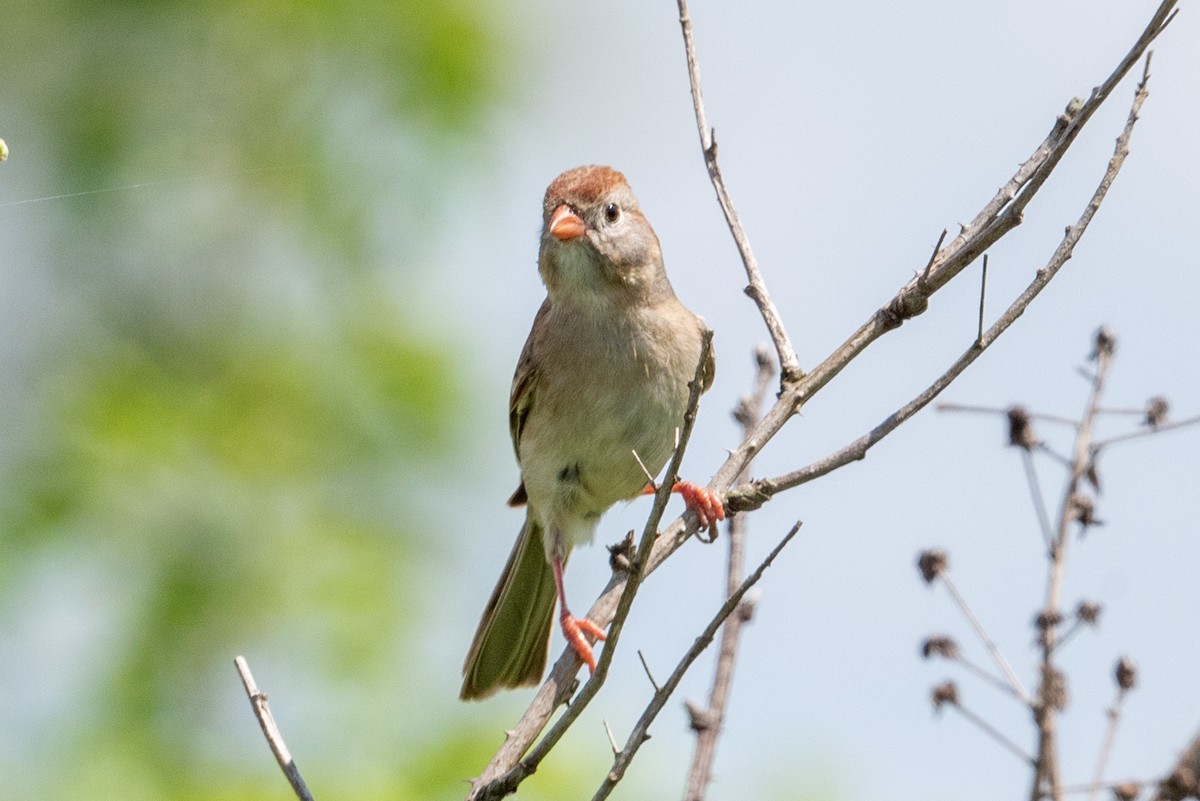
(997, 218)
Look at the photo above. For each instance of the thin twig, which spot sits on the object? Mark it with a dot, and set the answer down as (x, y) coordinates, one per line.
(646, 667)
(1072, 789)
(947, 406)
(1039, 502)
(1076, 626)
(933, 256)
(753, 494)
(1043, 448)
(270, 730)
(1046, 771)
(1110, 736)
(640, 732)
(993, 732)
(649, 476)
(700, 773)
(1128, 411)
(989, 677)
(972, 241)
(982, 296)
(961, 602)
(789, 366)
(612, 741)
(1144, 432)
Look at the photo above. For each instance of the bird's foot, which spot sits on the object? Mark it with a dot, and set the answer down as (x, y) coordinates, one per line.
(701, 500)
(574, 629)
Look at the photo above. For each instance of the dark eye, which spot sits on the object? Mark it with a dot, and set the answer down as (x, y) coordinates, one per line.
(611, 212)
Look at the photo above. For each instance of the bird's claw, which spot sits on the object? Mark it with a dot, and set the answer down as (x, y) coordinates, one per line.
(574, 629)
(701, 500)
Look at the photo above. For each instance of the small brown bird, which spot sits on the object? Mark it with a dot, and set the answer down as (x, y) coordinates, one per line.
(603, 376)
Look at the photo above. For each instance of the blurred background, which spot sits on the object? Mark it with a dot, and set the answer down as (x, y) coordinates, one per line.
(266, 267)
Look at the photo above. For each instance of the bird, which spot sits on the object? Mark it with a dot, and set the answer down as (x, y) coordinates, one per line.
(598, 396)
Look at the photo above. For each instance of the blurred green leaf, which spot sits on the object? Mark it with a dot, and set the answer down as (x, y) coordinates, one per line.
(228, 404)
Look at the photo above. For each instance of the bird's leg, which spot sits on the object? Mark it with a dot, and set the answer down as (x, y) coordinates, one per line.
(574, 628)
(701, 500)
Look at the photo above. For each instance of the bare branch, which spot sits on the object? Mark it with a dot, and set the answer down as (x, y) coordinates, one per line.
(258, 702)
(646, 667)
(1039, 502)
(1110, 731)
(993, 732)
(757, 290)
(507, 769)
(947, 406)
(713, 715)
(1014, 683)
(948, 649)
(1184, 779)
(1046, 772)
(1145, 432)
(641, 729)
(933, 256)
(982, 297)
(755, 493)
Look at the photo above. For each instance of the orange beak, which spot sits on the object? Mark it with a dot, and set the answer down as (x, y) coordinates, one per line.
(565, 224)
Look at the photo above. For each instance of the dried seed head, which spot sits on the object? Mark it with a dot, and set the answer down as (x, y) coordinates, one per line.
(1020, 430)
(932, 563)
(743, 413)
(1088, 612)
(945, 693)
(1047, 619)
(1126, 791)
(1105, 342)
(699, 719)
(620, 556)
(745, 610)
(1125, 673)
(1093, 475)
(1182, 783)
(762, 357)
(1082, 508)
(939, 645)
(1156, 411)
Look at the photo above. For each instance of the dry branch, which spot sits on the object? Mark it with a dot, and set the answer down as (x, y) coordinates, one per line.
(997, 218)
(641, 729)
(1184, 779)
(757, 492)
(707, 722)
(270, 730)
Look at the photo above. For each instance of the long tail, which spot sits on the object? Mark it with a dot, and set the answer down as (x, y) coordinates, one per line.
(513, 639)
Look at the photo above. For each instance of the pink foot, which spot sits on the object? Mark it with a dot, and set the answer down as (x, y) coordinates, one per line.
(702, 501)
(574, 630)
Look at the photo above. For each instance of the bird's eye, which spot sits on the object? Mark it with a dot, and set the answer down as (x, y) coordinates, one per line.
(611, 212)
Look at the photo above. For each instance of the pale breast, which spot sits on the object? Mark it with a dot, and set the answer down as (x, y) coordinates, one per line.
(605, 390)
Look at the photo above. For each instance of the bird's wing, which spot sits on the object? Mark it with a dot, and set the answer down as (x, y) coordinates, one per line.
(524, 390)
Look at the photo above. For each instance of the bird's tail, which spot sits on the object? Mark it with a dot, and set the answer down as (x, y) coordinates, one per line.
(513, 639)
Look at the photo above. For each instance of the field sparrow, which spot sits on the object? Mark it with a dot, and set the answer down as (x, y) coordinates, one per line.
(604, 375)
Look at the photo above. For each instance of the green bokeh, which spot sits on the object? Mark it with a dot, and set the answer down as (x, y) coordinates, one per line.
(224, 398)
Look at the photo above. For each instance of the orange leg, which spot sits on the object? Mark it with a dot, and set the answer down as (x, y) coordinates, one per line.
(575, 629)
(702, 501)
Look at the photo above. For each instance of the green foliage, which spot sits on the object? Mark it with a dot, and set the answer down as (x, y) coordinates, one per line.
(226, 405)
